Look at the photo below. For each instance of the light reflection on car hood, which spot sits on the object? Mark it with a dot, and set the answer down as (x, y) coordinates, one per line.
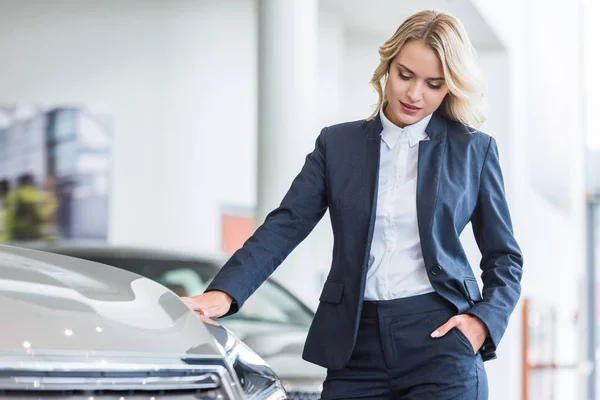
(51, 304)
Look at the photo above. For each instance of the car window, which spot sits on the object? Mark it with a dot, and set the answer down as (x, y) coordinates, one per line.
(270, 303)
(183, 281)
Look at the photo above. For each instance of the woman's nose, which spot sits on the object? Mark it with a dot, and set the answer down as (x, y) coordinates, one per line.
(414, 93)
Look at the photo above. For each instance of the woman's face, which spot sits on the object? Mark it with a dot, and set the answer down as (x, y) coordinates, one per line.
(415, 87)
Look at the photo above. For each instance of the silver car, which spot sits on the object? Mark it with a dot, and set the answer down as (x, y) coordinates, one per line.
(273, 322)
(75, 329)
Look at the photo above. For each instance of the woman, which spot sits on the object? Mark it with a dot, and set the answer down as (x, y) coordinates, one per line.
(401, 314)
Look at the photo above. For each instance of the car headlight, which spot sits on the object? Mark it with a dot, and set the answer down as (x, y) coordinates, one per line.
(258, 380)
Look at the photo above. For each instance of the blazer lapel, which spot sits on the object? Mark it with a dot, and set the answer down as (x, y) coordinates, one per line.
(431, 154)
(372, 176)
(373, 143)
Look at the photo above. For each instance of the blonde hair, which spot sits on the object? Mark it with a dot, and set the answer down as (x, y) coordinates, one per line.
(447, 37)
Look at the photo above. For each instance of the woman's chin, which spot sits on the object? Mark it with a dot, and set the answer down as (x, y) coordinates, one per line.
(406, 119)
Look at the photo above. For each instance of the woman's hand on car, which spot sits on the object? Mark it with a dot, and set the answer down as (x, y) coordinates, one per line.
(212, 304)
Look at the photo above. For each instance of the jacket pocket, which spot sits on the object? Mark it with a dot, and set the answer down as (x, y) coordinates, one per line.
(332, 292)
(473, 289)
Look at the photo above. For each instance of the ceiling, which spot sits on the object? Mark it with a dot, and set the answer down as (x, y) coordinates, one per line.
(382, 17)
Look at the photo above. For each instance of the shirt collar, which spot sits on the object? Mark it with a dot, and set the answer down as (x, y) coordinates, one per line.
(391, 132)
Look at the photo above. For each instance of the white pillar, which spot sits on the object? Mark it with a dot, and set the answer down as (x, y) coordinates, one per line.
(287, 128)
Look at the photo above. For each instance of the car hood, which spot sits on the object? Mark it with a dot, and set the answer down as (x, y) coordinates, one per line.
(53, 304)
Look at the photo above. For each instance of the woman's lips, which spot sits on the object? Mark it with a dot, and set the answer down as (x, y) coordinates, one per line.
(409, 109)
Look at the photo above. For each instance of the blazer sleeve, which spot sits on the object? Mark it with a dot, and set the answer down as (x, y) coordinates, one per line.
(284, 228)
(502, 261)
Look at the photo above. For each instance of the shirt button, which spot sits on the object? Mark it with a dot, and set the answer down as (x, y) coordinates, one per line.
(436, 270)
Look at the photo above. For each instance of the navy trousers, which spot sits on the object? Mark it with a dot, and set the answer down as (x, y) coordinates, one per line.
(395, 358)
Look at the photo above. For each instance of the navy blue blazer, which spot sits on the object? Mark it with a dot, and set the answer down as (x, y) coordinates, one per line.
(459, 180)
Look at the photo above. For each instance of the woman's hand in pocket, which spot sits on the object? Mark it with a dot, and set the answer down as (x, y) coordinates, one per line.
(470, 326)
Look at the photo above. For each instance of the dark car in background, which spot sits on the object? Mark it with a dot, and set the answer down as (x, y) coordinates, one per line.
(273, 322)
(74, 329)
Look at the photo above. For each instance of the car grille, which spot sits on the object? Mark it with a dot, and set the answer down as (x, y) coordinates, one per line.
(296, 395)
(199, 382)
(183, 395)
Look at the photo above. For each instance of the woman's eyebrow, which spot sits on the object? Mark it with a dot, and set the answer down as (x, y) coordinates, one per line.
(429, 79)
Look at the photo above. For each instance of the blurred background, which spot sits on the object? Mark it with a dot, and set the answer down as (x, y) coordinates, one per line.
(179, 124)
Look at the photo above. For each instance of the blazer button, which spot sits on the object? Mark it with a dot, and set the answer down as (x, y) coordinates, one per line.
(436, 270)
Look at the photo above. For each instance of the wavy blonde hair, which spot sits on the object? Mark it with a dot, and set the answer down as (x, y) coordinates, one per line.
(446, 35)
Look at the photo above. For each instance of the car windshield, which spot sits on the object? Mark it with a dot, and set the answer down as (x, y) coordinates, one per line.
(270, 303)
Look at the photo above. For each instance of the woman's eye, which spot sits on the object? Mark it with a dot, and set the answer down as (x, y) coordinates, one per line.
(404, 77)
(435, 87)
